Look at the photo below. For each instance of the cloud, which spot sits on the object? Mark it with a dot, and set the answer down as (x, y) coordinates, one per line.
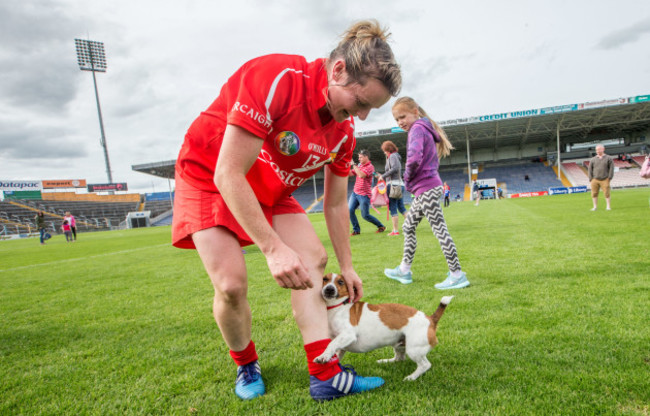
(626, 35)
(37, 56)
(38, 142)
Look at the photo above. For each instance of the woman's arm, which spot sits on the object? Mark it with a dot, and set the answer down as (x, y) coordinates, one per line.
(337, 218)
(238, 152)
(392, 169)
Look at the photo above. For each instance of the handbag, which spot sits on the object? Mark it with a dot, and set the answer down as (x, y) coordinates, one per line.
(645, 169)
(395, 188)
(395, 191)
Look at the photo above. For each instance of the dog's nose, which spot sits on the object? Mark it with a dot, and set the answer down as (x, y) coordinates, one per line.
(329, 291)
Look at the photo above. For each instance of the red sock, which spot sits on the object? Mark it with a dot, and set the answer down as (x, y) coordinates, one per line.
(321, 371)
(245, 356)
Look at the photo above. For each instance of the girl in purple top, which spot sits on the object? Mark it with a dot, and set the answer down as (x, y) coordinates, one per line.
(426, 141)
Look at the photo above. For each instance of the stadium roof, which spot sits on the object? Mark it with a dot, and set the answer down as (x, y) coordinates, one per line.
(575, 123)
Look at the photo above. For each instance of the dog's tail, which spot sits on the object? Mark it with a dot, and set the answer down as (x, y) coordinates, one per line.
(441, 309)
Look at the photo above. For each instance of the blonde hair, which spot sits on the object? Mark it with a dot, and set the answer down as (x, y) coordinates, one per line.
(366, 53)
(444, 147)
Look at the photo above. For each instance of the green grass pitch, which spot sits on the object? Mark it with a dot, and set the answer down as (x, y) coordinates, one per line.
(556, 321)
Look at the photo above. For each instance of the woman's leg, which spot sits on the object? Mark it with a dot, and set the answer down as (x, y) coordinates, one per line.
(395, 219)
(309, 309)
(223, 260)
(392, 207)
(400, 203)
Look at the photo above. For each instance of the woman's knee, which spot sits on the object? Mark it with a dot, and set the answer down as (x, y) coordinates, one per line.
(230, 289)
(317, 259)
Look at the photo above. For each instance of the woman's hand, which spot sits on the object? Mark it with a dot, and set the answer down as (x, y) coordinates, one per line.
(354, 284)
(287, 268)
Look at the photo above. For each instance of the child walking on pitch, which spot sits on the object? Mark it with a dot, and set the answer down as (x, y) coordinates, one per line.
(425, 142)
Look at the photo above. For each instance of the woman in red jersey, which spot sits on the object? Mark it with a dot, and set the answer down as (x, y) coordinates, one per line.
(276, 122)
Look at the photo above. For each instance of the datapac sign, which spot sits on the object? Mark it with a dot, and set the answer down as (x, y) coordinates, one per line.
(10, 185)
(103, 187)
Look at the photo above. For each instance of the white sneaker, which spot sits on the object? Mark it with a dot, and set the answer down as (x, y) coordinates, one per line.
(593, 209)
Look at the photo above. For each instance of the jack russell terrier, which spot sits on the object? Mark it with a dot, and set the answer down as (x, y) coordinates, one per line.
(362, 327)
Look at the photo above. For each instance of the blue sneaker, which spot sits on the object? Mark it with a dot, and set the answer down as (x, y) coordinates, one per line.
(343, 384)
(453, 282)
(396, 274)
(249, 383)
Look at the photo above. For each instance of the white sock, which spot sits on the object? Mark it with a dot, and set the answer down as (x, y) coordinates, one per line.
(456, 274)
(404, 268)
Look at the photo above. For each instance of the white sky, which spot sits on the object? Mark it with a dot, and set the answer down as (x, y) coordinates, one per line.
(167, 61)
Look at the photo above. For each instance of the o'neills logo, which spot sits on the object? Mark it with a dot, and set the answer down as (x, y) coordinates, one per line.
(252, 113)
(287, 177)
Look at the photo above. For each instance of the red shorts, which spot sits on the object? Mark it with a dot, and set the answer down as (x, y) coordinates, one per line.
(196, 210)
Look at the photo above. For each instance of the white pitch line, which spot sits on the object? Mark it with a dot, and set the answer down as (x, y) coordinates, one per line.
(82, 258)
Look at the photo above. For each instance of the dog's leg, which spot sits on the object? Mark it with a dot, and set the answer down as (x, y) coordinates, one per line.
(423, 365)
(340, 354)
(399, 349)
(343, 339)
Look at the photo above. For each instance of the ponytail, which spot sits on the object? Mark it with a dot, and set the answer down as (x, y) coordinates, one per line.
(366, 52)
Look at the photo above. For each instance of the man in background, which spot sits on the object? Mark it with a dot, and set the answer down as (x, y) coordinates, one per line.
(360, 196)
(601, 172)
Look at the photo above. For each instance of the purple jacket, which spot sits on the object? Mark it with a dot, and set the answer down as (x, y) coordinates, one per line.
(421, 171)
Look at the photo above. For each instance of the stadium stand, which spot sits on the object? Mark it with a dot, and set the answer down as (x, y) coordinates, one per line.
(456, 178)
(576, 173)
(525, 176)
(18, 215)
(638, 160)
(157, 207)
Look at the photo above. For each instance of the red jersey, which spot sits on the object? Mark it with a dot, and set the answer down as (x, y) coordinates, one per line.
(276, 98)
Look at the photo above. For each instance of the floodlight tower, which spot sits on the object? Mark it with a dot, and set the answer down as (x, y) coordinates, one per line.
(91, 57)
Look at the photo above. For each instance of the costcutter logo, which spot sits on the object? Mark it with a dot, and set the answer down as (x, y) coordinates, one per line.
(287, 143)
(289, 178)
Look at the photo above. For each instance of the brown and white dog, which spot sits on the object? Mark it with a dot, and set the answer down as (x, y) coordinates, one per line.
(362, 327)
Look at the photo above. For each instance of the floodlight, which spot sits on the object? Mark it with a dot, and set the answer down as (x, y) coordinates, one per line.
(91, 57)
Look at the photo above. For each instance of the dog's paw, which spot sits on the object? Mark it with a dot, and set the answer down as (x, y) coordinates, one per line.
(323, 358)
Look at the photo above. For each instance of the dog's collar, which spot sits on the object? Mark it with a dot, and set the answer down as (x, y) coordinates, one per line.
(337, 305)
